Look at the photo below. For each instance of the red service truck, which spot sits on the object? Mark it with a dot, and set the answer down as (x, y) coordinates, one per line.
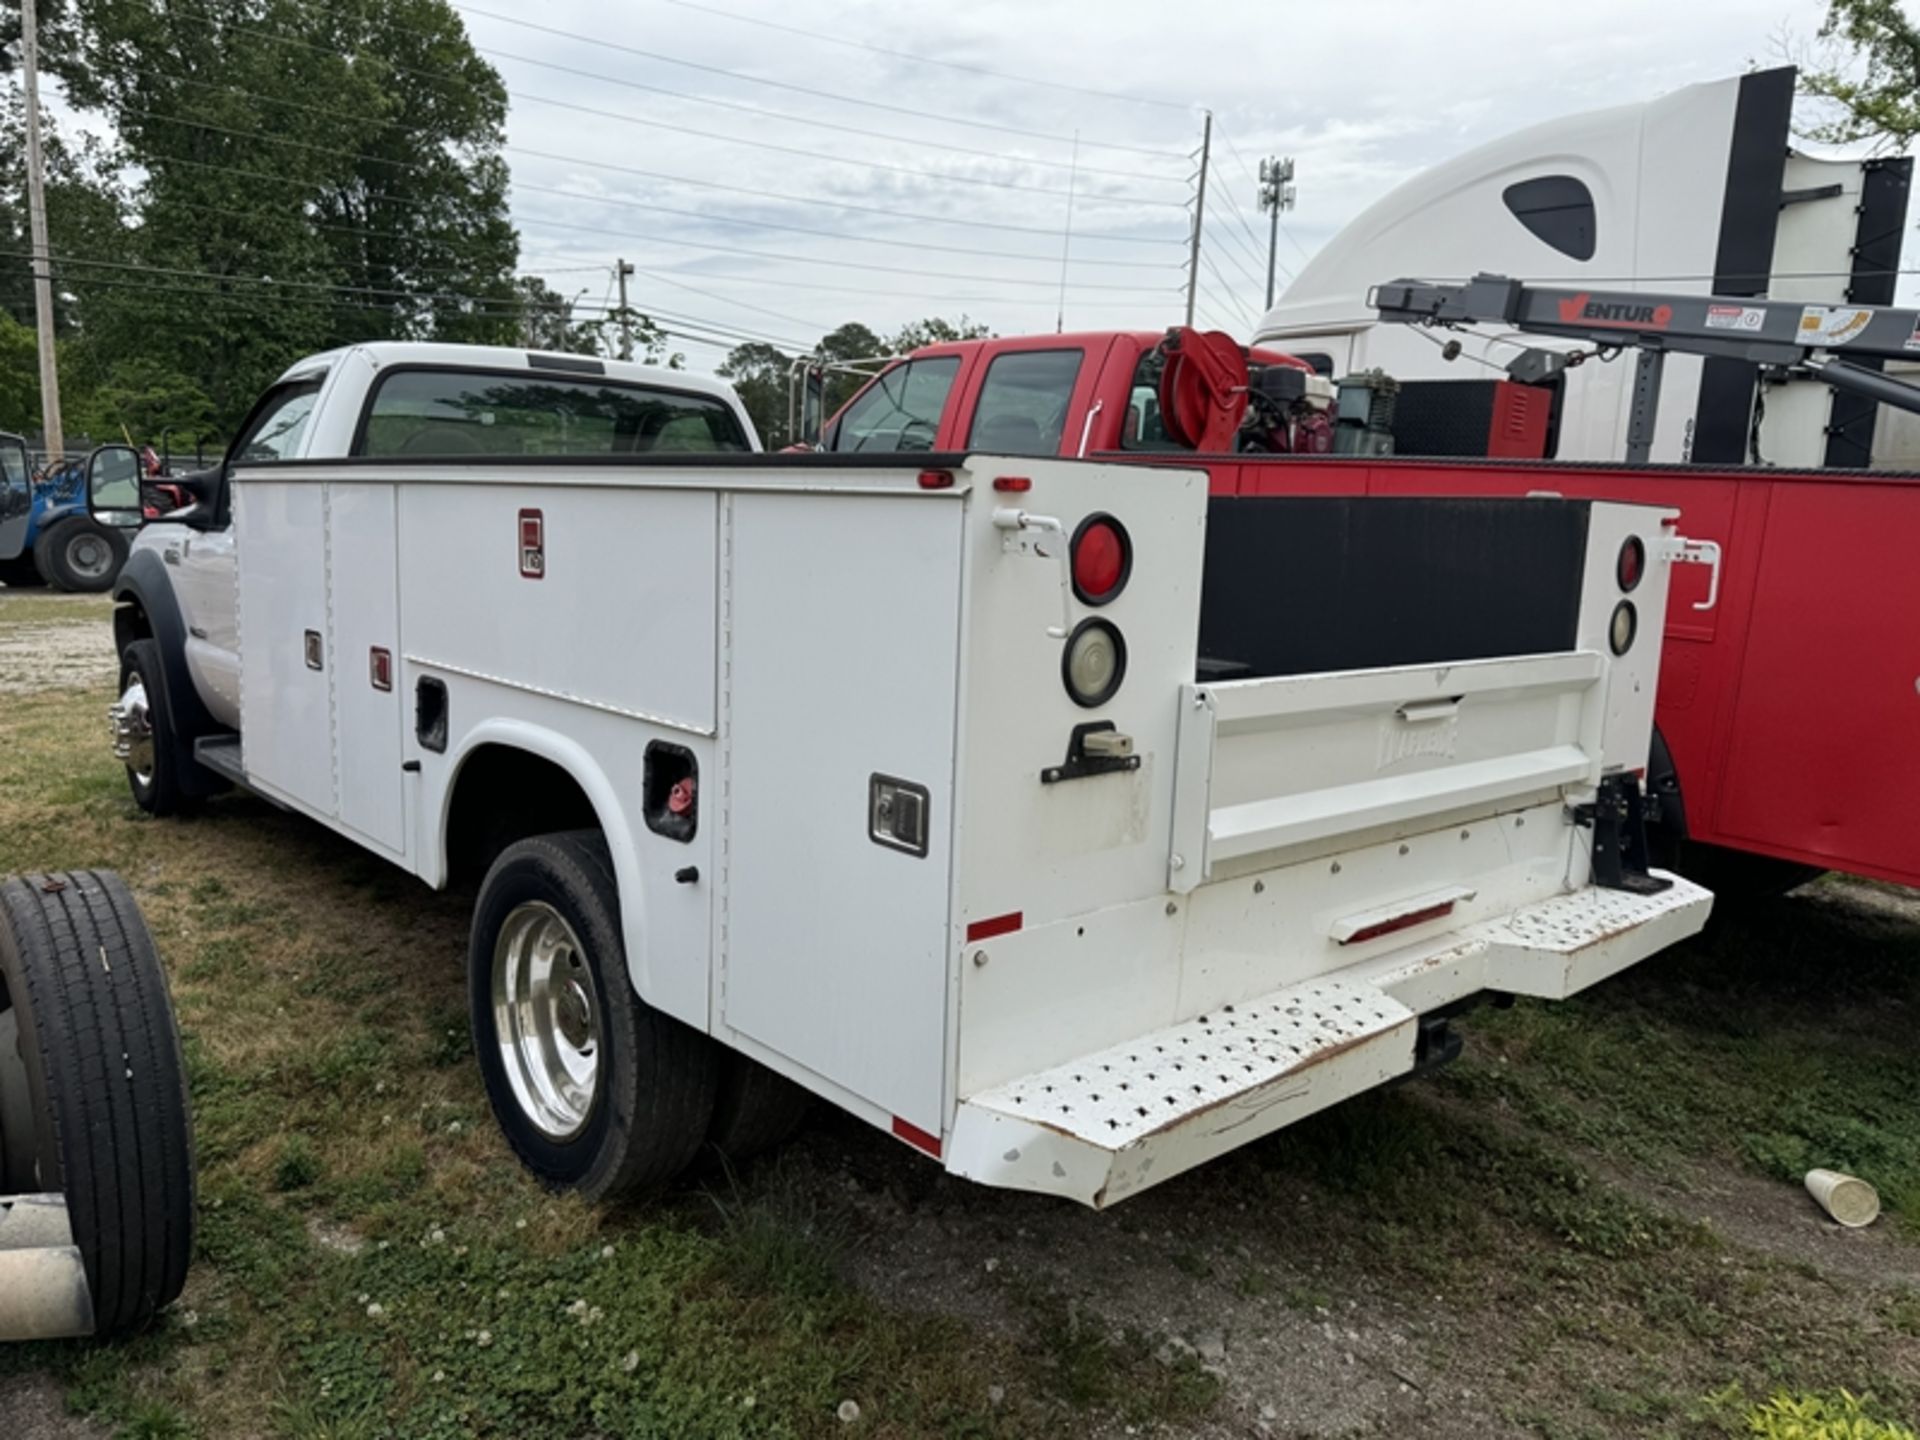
(1787, 708)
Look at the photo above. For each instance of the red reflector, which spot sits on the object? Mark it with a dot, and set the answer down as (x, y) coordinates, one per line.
(998, 925)
(380, 668)
(936, 479)
(533, 544)
(1102, 559)
(1400, 922)
(916, 1137)
(1013, 484)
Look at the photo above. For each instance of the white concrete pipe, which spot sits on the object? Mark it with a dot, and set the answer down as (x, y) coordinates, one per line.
(43, 1280)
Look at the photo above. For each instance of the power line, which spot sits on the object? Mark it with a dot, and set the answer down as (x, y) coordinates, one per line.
(719, 334)
(683, 95)
(1214, 271)
(600, 42)
(1239, 216)
(606, 200)
(785, 119)
(619, 169)
(923, 295)
(302, 144)
(622, 116)
(726, 300)
(500, 304)
(931, 60)
(1233, 254)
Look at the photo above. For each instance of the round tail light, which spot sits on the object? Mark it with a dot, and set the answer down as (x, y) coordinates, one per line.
(1095, 662)
(1102, 559)
(1632, 563)
(1624, 626)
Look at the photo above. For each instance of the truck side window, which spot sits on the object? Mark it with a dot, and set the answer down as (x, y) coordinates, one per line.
(900, 410)
(279, 423)
(1023, 403)
(451, 413)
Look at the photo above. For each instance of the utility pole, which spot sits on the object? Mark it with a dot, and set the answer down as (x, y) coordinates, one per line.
(626, 316)
(1276, 194)
(1199, 215)
(37, 223)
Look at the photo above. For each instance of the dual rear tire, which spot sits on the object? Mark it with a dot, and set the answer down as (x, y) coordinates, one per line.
(595, 1090)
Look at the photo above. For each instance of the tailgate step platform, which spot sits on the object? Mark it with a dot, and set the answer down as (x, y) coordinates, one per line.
(1111, 1123)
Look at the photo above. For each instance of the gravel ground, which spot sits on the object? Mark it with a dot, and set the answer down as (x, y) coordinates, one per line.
(64, 643)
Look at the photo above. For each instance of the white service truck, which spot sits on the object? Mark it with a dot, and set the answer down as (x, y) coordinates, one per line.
(1068, 823)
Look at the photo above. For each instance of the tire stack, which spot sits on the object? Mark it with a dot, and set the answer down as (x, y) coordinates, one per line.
(96, 1145)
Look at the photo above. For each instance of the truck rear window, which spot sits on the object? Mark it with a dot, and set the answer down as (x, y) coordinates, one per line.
(1023, 403)
(444, 413)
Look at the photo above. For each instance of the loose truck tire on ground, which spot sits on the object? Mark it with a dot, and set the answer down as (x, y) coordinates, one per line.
(100, 1056)
(596, 1090)
(154, 755)
(80, 555)
(756, 1108)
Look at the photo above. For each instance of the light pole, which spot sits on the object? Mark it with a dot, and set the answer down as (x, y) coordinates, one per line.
(1276, 194)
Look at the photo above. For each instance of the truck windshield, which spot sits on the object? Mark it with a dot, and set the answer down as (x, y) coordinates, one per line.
(900, 410)
(456, 413)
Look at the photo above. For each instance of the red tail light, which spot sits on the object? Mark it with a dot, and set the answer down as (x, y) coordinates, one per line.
(1102, 559)
(1632, 563)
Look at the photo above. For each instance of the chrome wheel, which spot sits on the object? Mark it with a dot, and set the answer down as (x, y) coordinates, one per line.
(89, 555)
(133, 730)
(546, 1020)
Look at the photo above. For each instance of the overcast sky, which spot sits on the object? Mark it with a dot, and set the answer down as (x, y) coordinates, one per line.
(944, 188)
(1361, 95)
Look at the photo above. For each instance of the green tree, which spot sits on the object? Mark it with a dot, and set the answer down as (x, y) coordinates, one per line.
(1874, 93)
(935, 331)
(759, 375)
(310, 176)
(19, 376)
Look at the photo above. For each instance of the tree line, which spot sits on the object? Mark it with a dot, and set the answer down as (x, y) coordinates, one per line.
(282, 178)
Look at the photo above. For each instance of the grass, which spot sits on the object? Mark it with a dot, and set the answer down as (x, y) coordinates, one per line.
(373, 1264)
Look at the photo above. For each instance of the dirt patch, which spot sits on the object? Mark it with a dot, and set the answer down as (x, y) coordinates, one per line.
(35, 1409)
(59, 656)
(1783, 1221)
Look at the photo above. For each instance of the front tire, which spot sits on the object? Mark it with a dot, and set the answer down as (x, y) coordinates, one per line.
(595, 1090)
(143, 737)
(80, 555)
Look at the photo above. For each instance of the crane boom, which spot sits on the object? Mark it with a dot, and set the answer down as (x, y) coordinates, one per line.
(1824, 341)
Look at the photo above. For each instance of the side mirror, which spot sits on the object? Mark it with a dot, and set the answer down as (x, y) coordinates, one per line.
(113, 486)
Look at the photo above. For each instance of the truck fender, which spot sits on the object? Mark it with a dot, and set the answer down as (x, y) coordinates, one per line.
(143, 581)
(574, 759)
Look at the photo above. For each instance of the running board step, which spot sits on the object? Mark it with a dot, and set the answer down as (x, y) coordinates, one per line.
(221, 754)
(1104, 1126)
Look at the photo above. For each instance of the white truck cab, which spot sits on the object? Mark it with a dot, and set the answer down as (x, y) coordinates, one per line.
(407, 399)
